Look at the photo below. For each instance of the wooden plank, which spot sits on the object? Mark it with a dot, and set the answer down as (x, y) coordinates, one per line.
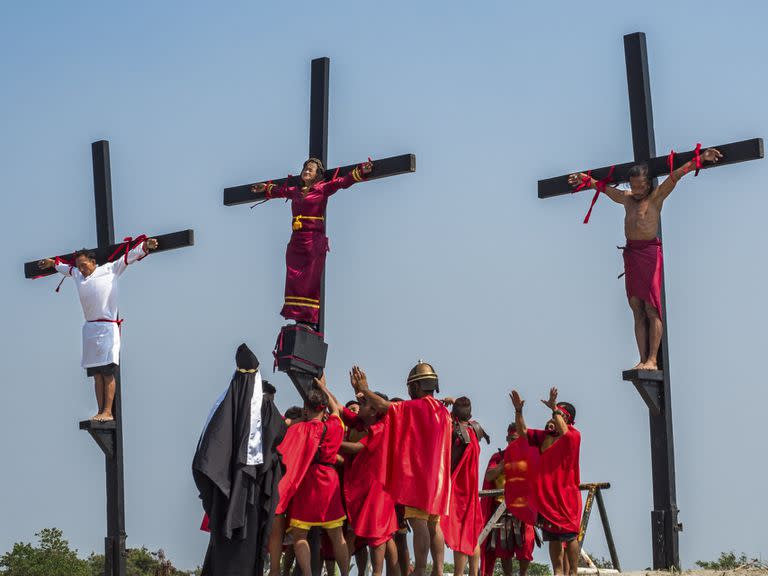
(382, 168)
(733, 153)
(634, 374)
(165, 242)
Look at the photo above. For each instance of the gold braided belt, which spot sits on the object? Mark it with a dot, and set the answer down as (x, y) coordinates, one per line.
(297, 225)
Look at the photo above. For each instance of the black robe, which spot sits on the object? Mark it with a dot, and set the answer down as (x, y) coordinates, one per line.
(239, 499)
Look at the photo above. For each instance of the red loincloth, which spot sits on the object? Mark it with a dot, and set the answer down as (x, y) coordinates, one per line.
(416, 455)
(464, 521)
(370, 509)
(309, 490)
(644, 270)
(556, 487)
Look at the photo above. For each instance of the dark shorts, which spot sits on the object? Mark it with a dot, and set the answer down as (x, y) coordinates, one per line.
(107, 370)
(558, 536)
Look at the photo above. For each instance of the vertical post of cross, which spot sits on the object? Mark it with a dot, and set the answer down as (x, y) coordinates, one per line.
(318, 139)
(114, 546)
(665, 526)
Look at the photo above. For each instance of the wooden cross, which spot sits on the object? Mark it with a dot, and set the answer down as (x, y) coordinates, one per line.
(654, 385)
(318, 148)
(109, 435)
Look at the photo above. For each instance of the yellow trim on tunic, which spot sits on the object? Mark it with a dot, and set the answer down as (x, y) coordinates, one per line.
(244, 371)
(419, 514)
(287, 303)
(301, 525)
(302, 298)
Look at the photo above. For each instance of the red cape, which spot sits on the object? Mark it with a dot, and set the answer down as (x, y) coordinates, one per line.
(370, 509)
(521, 467)
(556, 489)
(416, 455)
(464, 521)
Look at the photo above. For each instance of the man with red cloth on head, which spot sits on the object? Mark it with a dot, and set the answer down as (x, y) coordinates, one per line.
(464, 521)
(309, 490)
(305, 256)
(415, 462)
(555, 486)
(643, 258)
(515, 538)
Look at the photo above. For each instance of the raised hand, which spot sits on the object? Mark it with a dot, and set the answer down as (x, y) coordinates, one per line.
(711, 155)
(448, 400)
(551, 403)
(320, 382)
(517, 402)
(46, 263)
(368, 166)
(258, 188)
(151, 244)
(358, 380)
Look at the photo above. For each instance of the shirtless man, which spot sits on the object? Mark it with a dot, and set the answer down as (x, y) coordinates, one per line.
(643, 258)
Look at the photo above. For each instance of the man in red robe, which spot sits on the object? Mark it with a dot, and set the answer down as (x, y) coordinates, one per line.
(555, 489)
(310, 494)
(305, 256)
(416, 459)
(643, 258)
(464, 521)
(515, 539)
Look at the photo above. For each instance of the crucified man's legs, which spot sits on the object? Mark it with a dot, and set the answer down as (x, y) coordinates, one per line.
(98, 384)
(655, 330)
(648, 331)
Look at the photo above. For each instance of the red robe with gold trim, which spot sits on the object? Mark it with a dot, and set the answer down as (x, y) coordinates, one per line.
(416, 455)
(305, 255)
(370, 509)
(464, 521)
(309, 490)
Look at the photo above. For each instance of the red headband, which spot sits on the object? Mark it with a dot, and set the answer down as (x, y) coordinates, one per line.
(566, 414)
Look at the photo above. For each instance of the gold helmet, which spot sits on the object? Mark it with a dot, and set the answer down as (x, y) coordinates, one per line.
(425, 376)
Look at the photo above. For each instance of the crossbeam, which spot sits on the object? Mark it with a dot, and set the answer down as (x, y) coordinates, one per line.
(382, 168)
(165, 242)
(733, 153)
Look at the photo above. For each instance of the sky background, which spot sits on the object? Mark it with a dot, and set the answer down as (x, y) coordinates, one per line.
(460, 263)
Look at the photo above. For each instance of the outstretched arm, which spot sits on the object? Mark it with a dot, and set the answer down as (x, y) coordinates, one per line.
(272, 190)
(518, 403)
(358, 174)
(612, 192)
(334, 407)
(360, 384)
(134, 255)
(557, 415)
(47, 263)
(711, 155)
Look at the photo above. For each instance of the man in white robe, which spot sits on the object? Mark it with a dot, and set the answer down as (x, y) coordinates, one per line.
(97, 288)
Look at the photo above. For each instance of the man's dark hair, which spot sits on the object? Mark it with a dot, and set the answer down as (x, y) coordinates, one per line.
(348, 404)
(384, 396)
(320, 168)
(571, 409)
(397, 399)
(316, 400)
(293, 412)
(90, 254)
(462, 409)
(640, 170)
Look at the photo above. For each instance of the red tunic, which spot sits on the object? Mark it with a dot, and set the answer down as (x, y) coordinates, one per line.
(305, 255)
(370, 509)
(416, 455)
(556, 489)
(644, 270)
(499, 545)
(309, 490)
(464, 521)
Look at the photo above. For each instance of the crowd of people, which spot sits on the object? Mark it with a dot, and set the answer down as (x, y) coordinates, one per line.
(367, 473)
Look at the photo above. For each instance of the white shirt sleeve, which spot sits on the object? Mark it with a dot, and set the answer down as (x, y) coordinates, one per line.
(134, 255)
(65, 269)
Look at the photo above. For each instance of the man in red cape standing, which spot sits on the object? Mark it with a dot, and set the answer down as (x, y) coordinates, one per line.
(555, 486)
(464, 521)
(515, 539)
(416, 460)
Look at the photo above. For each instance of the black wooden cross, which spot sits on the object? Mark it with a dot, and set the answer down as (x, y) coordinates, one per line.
(109, 435)
(318, 148)
(654, 385)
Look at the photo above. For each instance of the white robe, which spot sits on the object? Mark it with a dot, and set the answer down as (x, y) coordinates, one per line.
(98, 297)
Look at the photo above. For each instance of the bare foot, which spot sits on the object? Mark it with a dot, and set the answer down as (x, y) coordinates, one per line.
(639, 365)
(649, 365)
(103, 417)
(96, 416)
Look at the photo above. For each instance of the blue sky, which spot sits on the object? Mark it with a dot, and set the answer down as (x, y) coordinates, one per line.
(459, 263)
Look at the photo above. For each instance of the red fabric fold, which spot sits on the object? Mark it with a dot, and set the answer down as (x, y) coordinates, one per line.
(644, 270)
(521, 468)
(464, 521)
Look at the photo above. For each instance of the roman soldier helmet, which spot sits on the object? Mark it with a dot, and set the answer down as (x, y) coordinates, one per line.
(425, 376)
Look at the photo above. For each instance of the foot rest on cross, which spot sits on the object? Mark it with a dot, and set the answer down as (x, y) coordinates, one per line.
(649, 384)
(300, 352)
(103, 432)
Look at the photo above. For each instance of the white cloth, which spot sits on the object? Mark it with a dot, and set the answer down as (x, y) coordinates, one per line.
(255, 446)
(98, 297)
